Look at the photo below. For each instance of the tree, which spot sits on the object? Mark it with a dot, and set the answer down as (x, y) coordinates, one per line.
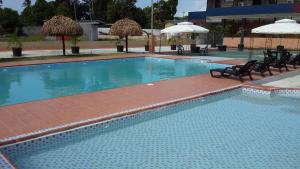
(27, 3)
(1, 2)
(100, 12)
(41, 11)
(26, 15)
(119, 9)
(163, 11)
(9, 20)
(64, 9)
(74, 3)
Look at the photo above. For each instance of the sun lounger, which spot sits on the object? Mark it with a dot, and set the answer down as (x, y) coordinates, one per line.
(263, 66)
(180, 50)
(238, 70)
(295, 61)
(204, 51)
(282, 62)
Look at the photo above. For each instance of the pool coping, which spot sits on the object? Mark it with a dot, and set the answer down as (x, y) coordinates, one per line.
(69, 60)
(98, 58)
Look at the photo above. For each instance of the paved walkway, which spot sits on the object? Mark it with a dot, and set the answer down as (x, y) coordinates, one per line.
(35, 53)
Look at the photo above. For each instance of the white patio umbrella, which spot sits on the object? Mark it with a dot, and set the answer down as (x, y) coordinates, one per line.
(280, 27)
(184, 27)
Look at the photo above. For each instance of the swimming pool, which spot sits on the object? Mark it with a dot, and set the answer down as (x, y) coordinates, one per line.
(243, 128)
(28, 83)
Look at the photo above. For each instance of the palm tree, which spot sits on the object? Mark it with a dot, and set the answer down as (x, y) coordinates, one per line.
(26, 3)
(74, 3)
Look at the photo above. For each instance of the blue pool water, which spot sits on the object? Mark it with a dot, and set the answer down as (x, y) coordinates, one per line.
(28, 83)
(230, 130)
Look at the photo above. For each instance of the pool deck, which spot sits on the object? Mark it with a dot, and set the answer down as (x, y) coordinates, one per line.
(33, 119)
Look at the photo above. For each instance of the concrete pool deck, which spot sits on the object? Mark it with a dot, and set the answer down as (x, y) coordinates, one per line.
(33, 119)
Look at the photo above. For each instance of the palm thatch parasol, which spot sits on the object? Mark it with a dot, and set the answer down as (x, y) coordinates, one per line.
(124, 28)
(62, 26)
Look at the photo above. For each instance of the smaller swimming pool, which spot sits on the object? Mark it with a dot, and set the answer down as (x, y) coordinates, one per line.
(28, 83)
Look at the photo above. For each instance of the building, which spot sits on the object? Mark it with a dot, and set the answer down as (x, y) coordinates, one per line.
(245, 14)
(90, 29)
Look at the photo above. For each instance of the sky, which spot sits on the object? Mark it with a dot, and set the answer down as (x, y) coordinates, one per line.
(183, 6)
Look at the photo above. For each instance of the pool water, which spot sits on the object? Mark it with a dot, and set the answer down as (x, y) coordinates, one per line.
(36, 82)
(230, 130)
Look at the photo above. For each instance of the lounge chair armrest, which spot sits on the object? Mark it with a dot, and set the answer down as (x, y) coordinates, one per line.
(229, 68)
(235, 67)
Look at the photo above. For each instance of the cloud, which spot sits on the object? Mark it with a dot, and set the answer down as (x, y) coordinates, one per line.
(185, 6)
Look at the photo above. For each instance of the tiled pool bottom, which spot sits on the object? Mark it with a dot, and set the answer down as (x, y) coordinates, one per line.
(234, 129)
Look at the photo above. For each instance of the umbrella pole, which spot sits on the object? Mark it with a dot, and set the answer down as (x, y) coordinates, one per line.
(298, 46)
(159, 43)
(63, 44)
(126, 43)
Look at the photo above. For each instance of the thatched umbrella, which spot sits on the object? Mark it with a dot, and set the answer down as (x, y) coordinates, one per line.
(62, 26)
(124, 28)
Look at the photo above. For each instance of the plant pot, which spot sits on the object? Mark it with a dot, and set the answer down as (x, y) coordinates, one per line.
(241, 47)
(222, 48)
(17, 51)
(193, 46)
(213, 45)
(120, 48)
(146, 47)
(75, 49)
(173, 47)
(280, 48)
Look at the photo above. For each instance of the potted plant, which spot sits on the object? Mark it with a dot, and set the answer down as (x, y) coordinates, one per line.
(172, 42)
(241, 33)
(75, 49)
(216, 30)
(120, 47)
(147, 42)
(15, 43)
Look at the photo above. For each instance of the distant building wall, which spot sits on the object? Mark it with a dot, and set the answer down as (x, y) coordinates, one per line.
(90, 31)
(32, 30)
(260, 42)
(103, 33)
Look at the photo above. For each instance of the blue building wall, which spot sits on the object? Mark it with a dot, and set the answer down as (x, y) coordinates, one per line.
(245, 10)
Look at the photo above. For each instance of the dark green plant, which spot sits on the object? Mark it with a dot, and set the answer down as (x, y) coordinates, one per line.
(14, 40)
(147, 38)
(172, 41)
(119, 42)
(75, 40)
